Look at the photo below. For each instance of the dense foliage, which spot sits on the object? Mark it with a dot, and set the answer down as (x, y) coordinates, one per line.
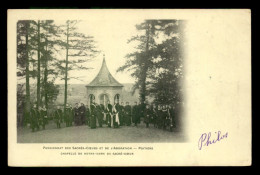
(157, 62)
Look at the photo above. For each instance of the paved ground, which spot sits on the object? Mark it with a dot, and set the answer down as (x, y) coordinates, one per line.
(83, 134)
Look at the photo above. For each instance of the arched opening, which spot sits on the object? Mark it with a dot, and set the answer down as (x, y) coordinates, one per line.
(91, 98)
(103, 99)
(116, 98)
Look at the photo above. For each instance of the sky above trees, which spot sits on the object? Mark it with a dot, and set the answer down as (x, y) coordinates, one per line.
(111, 37)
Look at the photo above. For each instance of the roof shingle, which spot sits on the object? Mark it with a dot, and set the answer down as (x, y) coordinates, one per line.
(104, 78)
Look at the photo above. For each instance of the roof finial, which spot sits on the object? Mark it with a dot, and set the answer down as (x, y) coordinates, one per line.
(103, 57)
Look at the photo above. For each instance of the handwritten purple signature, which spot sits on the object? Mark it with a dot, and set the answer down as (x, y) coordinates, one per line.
(206, 140)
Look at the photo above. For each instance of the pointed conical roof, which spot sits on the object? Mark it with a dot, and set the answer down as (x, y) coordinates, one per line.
(104, 77)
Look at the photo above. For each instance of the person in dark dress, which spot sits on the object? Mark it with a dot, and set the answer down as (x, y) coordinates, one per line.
(71, 116)
(122, 114)
(128, 114)
(168, 118)
(164, 117)
(34, 118)
(62, 119)
(171, 114)
(135, 114)
(26, 118)
(93, 115)
(109, 114)
(61, 112)
(57, 117)
(103, 113)
(40, 117)
(159, 121)
(82, 113)
(76, 114)
(140, 113)
(43, 116)
(154, 116)
(67, 114)
(99, 115)
(147, 115)
(87, 115)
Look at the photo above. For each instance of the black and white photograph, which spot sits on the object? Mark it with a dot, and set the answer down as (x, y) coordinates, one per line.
(72, 87)
(129, 87)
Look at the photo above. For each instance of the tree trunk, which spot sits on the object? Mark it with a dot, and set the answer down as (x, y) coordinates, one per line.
(66, 68)
(145, 66)
(46, 77)
(39, 68)
(27, 84)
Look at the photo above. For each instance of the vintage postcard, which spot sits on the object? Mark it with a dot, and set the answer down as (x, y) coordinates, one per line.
(125, 87)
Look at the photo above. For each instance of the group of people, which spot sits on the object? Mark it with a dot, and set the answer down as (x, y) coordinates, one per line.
(113, 116)
(38, 118)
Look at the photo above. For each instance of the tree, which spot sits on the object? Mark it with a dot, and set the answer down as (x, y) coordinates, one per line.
(141, 60)
(24, 33)
(35, 46)
(43, 41)
(167, 82)
(79, 50)
(157, 63)
(38, 39)
(50, 41)
(52, 92)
